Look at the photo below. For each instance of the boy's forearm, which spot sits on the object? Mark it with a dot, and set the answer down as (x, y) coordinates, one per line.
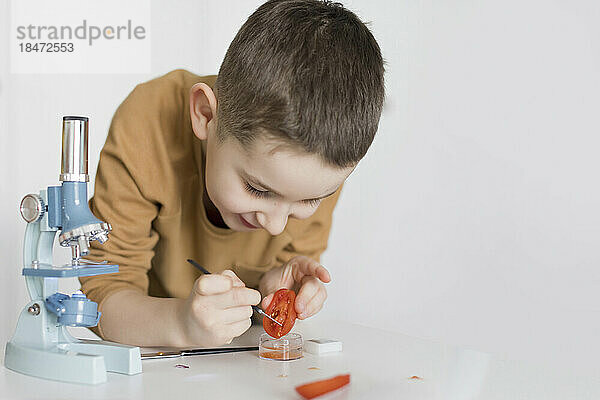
(133, 318)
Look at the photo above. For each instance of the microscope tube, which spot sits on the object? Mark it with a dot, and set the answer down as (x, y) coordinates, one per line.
(74, 161)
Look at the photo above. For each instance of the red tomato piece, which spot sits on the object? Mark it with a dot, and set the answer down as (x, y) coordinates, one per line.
(283, 310)
(317, 388)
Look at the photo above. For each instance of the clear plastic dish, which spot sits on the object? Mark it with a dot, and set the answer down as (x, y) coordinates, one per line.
(286, 348)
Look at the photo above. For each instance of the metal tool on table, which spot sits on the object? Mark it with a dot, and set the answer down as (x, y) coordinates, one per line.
(41, 345)
(255, 308)
(196, 352)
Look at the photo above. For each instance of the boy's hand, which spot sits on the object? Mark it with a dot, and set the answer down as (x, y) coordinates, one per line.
(305, 276)
(217, 310)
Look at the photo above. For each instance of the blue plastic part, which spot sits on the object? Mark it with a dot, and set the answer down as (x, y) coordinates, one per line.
(77, 310)
(54, 303)
(54, 206)
(84, 270)
(75, 210)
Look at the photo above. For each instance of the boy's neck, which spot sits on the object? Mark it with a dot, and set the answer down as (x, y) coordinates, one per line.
(212, 213)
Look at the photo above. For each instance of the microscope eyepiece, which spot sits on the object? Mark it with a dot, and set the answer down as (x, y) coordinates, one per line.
(74, 118)
(74, 161)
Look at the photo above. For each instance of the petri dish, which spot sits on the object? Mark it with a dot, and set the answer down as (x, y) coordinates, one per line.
(286, 348)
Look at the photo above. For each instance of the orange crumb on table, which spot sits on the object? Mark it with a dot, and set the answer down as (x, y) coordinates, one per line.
(414, 377)
(314, 368)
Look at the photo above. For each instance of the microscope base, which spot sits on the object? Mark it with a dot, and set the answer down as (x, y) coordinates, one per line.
(50, 352)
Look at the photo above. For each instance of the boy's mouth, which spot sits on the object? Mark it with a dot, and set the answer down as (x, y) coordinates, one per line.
(246, 223)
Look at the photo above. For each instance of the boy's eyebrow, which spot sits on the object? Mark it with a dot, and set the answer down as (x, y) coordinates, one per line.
(259, 183)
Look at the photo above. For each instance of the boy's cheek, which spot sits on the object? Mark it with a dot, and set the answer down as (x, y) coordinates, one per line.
(229, 200)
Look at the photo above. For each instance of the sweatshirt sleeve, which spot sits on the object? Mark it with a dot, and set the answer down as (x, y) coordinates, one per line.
(121, 199)
(310, 236)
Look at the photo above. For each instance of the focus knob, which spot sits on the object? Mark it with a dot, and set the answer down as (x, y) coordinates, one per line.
(32, 208)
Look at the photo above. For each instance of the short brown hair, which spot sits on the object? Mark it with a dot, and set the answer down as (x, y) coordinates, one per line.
(306, 72)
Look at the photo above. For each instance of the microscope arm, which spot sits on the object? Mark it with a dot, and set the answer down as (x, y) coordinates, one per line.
(37, 252)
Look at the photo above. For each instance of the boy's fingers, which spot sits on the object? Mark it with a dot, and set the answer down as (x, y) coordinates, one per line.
(309, 267)
(308, 290)
(236, 314)
(315, 304)
(266, 301)
(237, 282)
(324, 275)
(237, 296)
(208, 285)
(237, 328)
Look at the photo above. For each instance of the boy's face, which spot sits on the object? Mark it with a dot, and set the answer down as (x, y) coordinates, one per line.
(260, 187)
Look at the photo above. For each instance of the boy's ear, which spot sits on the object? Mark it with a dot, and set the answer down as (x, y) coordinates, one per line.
(203, 108)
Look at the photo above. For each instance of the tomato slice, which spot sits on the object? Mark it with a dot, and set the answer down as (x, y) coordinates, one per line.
(283, 310)
(317, 388)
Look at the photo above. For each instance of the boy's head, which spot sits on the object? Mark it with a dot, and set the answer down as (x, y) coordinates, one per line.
(301, 86)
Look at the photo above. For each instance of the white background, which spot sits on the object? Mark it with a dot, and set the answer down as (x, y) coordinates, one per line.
(474, 218)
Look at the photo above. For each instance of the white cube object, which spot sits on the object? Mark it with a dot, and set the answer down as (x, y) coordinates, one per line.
(322, 345)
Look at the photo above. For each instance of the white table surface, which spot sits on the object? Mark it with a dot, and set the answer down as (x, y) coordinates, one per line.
(380, 363)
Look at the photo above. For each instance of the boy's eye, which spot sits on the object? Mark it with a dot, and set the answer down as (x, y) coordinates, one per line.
(255, 192)
(265, 193)
(312, 202)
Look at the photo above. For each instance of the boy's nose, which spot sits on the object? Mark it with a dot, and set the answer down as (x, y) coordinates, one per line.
(274, 224)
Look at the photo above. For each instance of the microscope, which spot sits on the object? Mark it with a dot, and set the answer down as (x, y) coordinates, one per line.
(42, 346)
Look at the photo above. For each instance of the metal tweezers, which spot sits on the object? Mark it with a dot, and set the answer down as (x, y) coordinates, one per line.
(196, 352)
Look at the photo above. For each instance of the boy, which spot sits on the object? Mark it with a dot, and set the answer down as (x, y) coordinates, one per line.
(240, 172)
